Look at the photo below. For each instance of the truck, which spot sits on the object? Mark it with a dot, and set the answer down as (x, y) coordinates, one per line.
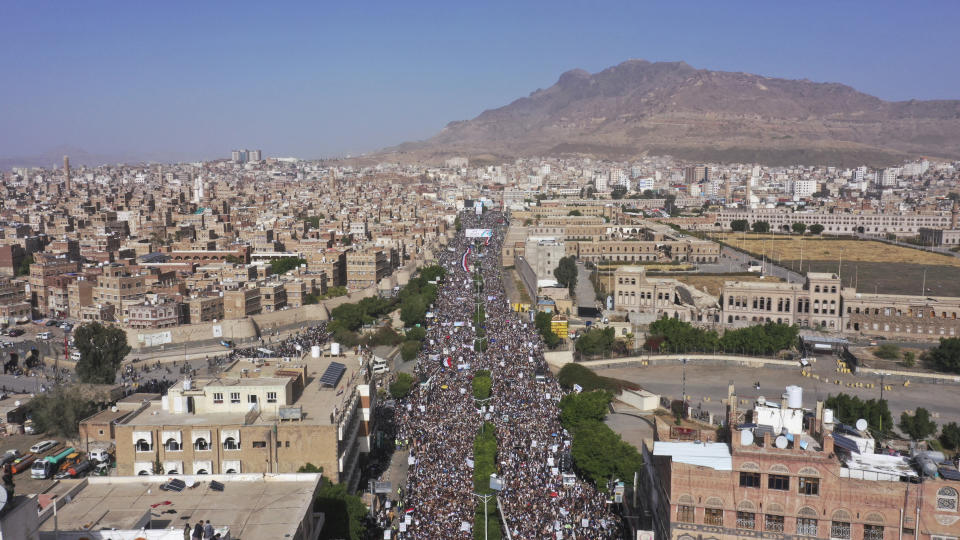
(47, 467)
(23, 463)
(76, 470)
(9, 456)
(101, 452)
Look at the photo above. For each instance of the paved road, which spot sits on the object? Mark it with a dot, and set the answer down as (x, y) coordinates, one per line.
(707, 386)
(732, 260)
(586, 296)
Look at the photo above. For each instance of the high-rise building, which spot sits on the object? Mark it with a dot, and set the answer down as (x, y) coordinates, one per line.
(235, 156)
(600, 183)
(253, 155)
(66, 173)
(697, 173)
(887, 177)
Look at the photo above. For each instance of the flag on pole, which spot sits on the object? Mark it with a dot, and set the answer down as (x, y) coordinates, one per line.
(464, 260)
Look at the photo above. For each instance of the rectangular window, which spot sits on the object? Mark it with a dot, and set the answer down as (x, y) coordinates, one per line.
(840, 529)
(746, 520)
(773, 523)
(685, 514)
(259, 444)
(806, 527)
(234, 397)
(779, 482)
(750, 479)
(809, 486)
(713, 516)
(251, 398)
(271, 397)
(218, 397)
(873, 532)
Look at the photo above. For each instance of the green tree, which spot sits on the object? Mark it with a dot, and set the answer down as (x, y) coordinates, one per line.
(314, 221)
(346, 515)
(566, 273)
(102, 350)
(575, 409)
(574, 213)
(385, 336)
(285, 264)
(350, 316)
(618, 192)
(760, 226)
(799, 228)
(409, 350)
(400, 388)
(950, 436)
(596, 341)
(816, 228)
(413, 310)
(909, 359)
(24, 267)
(416, 333)
(310, 468)
(311, 299)
(849, 409)
(600, 454)
(457, 224)
(482, 384)
(739, 225)
(918, 426)
(59, 411)
(946, 356)
(887, 351)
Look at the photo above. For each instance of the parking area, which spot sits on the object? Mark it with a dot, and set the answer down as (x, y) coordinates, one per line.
(24, 484)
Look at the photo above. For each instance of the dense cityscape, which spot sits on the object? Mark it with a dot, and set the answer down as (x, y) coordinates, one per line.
(464, 271)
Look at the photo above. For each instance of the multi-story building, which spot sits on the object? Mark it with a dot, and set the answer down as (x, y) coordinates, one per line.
(543, 255)
(241, 302)
(788, 473)
(634, 292)
(842, 222)
(805, 188)
(160, 313)
(823, 302)
(205, 308)
(680, 250)
(257, 416)
(365, 268)
(939, 237)
(273, 297)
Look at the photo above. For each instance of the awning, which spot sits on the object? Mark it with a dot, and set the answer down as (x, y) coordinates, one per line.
(206, 466)
(172, 467)
(230, 465)
(145, 435)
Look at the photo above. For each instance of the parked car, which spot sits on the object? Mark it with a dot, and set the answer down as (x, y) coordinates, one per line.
(42, 446)
(53, 322)
(16, 332)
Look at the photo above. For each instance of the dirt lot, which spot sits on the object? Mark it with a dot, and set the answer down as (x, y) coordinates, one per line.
(23, 482)
(871, 266)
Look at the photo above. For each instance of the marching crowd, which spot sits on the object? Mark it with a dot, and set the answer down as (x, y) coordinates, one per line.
(440, 419)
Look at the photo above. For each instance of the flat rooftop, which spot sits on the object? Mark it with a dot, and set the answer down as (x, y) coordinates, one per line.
(317, 402)
(713, 455)
(253, 506)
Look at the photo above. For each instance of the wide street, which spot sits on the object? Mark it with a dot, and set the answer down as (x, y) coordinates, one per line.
(707, 386)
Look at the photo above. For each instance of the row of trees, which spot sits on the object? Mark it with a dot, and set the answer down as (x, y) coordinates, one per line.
(743, 225)
(673, 335)
(598, 452)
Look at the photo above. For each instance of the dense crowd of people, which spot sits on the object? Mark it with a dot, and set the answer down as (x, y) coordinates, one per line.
(440, 419)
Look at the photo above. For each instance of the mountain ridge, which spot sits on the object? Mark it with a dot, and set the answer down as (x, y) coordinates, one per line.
(639, 107)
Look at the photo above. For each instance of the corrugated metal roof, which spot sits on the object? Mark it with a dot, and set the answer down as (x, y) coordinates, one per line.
(713, 455)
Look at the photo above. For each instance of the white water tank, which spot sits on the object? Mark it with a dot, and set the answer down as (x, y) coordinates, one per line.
(335, 349)
(794, 397)
(828, 416)
(315, 351)
(746, 437)
(187, 383)
(781, 442)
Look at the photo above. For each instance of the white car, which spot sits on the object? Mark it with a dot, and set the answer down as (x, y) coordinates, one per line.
(42, 446)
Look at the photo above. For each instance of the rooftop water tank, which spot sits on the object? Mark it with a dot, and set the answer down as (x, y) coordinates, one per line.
(828, 416)
(794, 397)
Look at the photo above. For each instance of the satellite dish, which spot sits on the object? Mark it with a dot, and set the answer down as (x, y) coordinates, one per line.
(781, 442)
(114, 409)
(16, 403)
(862, 424)
(746, 437)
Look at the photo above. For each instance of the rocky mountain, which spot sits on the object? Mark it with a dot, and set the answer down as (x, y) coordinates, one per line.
(639, 108)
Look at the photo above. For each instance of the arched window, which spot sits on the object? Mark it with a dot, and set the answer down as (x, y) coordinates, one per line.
(201, 444)
(230, 444)
(143, 445)
(143, 473)
(173, 471)
(231, 471)
(171, 445)
(947, 499)
(202, 471)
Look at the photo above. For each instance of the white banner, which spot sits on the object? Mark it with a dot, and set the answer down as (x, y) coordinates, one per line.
(478, 233)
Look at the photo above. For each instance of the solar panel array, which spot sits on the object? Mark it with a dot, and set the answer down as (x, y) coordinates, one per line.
(332, 374)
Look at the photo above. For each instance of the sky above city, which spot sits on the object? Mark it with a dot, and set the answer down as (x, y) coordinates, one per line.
(193, 80)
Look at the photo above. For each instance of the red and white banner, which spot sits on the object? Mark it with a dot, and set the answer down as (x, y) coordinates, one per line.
(464, 261)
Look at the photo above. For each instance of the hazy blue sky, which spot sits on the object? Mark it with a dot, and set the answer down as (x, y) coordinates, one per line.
(195, 79)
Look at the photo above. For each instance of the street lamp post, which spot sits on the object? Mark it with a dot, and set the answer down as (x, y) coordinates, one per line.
(486, 519)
